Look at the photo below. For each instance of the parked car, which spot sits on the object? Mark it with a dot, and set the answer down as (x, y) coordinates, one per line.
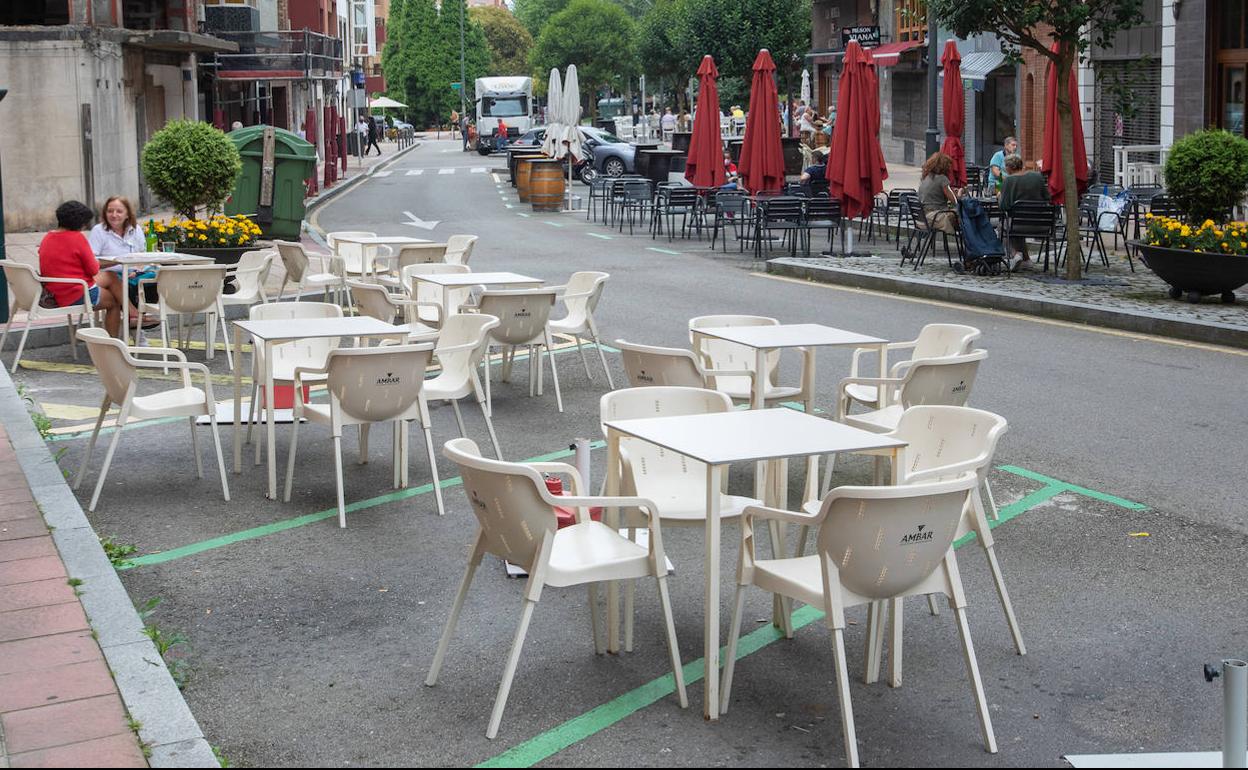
(533, 140)
(606, 153)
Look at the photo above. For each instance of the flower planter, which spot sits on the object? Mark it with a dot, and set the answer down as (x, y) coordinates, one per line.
(1193, 274)
(224, 255)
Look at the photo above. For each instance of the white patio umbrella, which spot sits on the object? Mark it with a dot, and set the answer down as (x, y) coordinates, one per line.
(554, 116)
(806, 87)
(385, 101)
(571, 116)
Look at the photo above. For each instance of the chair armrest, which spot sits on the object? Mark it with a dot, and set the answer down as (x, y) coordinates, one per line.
(953, 469)
(136, 350)
(779, 514)
(45, 279)
(578, 484)
(302, 370)
(455, 348)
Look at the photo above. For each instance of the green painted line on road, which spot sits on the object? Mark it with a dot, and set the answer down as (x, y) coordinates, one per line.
(663, 251)
(508, 205)
(1104, 497)
(600, 235)
(546, 744)
(300, 521)
(552, 224)
(522, 214)
(107, 431)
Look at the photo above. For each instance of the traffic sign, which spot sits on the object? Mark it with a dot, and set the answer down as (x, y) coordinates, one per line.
(456, 86)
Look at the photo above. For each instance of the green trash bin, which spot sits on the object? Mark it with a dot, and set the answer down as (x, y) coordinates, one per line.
(294, 160)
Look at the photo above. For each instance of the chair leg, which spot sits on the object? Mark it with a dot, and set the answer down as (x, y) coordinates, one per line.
(364, 430)
(593, 329)
(977, 685)
(509, 670)
(5, 335)
(458, 604)
(984, 535)
(216, 443)
(199, 460)
(342, 508)
(21, 345)
(673, 650)
(86, 460)
(433, 468)
(933, 606)
(489, 424)
(896, 611)
(108, 459)
(730, 652)
(554, 370)
(584, 360)
(842, 691)
(992, 503)
(396, 454)
(290, 457)
(600, 645)
(225, 337)
(459, 418)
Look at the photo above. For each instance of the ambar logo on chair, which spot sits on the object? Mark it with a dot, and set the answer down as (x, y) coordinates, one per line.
(389, 379)
(922, 536)
(195, 285)
(960, 387)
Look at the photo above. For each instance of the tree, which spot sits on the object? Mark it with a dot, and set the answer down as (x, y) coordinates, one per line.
(191, 164)
(1074, 25)
(476, 57)
(421, 57)
(659, 40)
(508, 40)
(534, 14)
(596, 36)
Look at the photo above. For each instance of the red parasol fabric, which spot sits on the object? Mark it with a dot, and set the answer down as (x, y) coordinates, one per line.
(705, 165)
(955, 112)
(762, 157)
(1052, 155)
(309, 127)
(856, 170)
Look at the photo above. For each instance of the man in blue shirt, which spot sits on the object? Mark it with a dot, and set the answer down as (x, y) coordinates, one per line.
(996, 166)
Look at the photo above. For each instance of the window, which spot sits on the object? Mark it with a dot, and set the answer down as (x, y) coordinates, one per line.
(909, 20)
(504, 106)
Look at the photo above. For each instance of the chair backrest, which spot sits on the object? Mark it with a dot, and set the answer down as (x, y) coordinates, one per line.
(591, 282)
(373, 301)
(943, 381)
(459, 248)
(352, 254)
(941, 436)
(420, 254)
(782, 208)
(884, 541)
(249, 279)
(507, 500)
(1035, 218)
(23, 281)
(459, 330)
(940, 340)
(377, 384)
(111, 360)
(311, 352)
(423, 291)
(1163, 206)
(896, 195)
(680, 197)
(721, 354)
(294, 259)
(732, 202)
(637, 190)
(647, 365)
(190, 288)
(823, 210)
(915, 209)
(522, 313)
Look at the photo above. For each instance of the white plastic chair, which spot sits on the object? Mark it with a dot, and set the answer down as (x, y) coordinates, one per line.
(459, 249)
(249, 274)
(188, 290)
(351, 254)
(516, 522)
(650, 365)
(374, 301)
(288, 356)
(368, 386)
(462, 344)
(940, 381)
(425, 292)
(410, 254)
(581, 295)
(310, 271)
(523, 316)
(934, 341)
(874, 544)
(26, 286)
(117, 366)
(720, 354)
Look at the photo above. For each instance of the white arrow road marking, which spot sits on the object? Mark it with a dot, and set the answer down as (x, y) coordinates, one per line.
(415, 172)
(446, 171)
(418, 222)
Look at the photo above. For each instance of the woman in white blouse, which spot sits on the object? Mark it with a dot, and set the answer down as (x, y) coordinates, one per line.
(116, 234)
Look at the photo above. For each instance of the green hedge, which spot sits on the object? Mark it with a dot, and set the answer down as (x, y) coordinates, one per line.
(1207, 174)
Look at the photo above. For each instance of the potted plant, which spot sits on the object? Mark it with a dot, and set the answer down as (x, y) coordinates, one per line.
(220, 237)
(1206, 177)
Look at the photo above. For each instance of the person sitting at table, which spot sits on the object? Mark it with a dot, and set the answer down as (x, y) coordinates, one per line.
(996, 166)
(937, 196)
(117, 234)
(731, 175)
(819, 170)
(65, 253)
(1020, 185)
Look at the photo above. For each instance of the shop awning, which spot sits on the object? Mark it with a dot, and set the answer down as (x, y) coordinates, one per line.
(890, 53)
(977, 65)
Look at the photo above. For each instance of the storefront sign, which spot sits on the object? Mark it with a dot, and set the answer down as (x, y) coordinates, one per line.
(867, 36)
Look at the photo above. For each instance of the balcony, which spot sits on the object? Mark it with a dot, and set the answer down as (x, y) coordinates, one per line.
(280, 56)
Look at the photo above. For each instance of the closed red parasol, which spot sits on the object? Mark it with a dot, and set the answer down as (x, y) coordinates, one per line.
(762, 158)
(856, 169)
(955, 112)
(705, 165)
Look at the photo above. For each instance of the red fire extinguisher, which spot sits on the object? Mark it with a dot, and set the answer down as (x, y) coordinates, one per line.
(566, 515)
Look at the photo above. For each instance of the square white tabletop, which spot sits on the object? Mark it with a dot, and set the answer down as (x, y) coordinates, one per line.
(789, 336)
(309, 328)
(753, 435)
(155, 258)
(473, 279)
(375, 240)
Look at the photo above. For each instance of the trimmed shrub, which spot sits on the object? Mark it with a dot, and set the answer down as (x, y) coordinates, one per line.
(1207, 174)
(191, 165)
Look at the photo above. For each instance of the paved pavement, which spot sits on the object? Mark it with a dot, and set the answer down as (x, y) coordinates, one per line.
(309, 643)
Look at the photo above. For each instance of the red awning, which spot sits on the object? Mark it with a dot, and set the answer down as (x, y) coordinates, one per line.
(890, 53)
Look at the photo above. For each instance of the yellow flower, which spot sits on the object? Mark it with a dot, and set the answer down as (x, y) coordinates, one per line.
(1224, 244)
(1185, 231)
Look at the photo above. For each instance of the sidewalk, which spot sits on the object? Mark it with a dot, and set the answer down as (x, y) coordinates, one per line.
(59, 704)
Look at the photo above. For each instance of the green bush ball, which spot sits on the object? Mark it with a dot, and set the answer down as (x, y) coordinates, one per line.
(191, 165)
(1207, 174)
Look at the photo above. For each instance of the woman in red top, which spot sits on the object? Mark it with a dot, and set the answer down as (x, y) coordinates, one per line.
(65, 253)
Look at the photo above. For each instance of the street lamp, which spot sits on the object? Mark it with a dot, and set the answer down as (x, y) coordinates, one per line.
(4, 286)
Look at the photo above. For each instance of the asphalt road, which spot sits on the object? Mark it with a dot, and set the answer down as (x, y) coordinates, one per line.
(309, 644)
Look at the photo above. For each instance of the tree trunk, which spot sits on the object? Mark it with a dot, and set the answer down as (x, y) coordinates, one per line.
(1070, 185)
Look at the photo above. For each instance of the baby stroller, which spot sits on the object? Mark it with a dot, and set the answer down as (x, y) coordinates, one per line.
(983, 253)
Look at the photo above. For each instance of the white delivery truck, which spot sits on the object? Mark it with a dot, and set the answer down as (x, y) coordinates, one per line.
(509, 98)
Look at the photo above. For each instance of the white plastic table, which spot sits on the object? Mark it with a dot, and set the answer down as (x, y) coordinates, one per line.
(140, 259)
(368, 246)
(720, 440)
(276, 331)
(450, 281)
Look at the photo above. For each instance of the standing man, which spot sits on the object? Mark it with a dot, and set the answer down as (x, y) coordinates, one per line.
(463, 129)
(500, 135)
(373, 131)
(361, 134)
(996, 166)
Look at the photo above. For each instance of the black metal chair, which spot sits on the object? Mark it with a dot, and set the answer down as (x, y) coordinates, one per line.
(671, 202)
(636, 196)
(732, 208)
(782, 213)
(893, 205)
(974, 179)
(922, 241)
(820, 214)
(1139, 196)
(1036, 220)
(599, 195)
(1164, 206)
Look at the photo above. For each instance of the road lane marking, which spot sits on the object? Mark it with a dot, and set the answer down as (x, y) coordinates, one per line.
(478, 169)
(382, 173)
(552, 224)
(522, 214)
(414, 172)
(600, 235)
(443, 171)
(663, 251)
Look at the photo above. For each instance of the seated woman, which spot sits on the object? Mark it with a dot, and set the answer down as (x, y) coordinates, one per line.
(65, 253)
(117, 234)
(731, 175)
(937, 196)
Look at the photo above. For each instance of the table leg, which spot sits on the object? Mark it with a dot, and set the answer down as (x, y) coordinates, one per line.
(271, 427)
(894, 653)
(238, 399)
(883, 391)
(125, 308)
(613, 521)
(710, 630)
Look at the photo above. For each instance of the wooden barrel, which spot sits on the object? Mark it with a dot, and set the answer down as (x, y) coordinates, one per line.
(524, 167)
(546, 185)
(513, 156)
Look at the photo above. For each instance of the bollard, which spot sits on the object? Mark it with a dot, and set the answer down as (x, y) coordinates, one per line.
(581, 445)
(1234, 675)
